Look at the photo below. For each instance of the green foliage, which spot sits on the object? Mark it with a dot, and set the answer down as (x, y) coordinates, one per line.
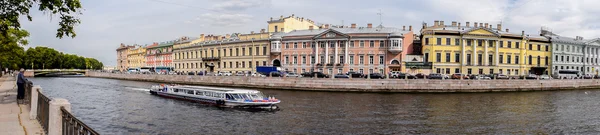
(11, 10)
(11, 52)
(48, 58)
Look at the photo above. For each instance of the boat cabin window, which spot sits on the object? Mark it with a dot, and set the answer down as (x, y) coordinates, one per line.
(245, 96)
(190, 92)
(254, 96)
(175, 90)
(236, 96)
(199, 93)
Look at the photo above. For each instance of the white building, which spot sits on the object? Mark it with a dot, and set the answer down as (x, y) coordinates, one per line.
(574, 53)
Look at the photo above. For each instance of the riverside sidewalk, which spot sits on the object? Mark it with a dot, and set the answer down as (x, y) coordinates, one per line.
(14, 119)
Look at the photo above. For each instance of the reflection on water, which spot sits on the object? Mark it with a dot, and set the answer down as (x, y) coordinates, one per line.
(126, 107)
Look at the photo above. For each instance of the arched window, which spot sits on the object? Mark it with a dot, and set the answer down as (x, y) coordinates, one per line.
(395, 62)
(276, 28)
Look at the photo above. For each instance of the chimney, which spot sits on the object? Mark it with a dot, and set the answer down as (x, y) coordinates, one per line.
(522, 33)
(251, 32)
(271, 18)
(281, 17)
(499, 27)
(506, 30)
(326, 26)
(436, 23)
(442, 24)
(424, 25)
(490, 26)
(403, 28)
(262, 30)
(467, 24)
(475, 25)
(409, 27)
(480, 24)
(201, 37)
(454, 23)
(310, 27)
(353, 25)
(369, 25)
(486, 25)
(458, 25)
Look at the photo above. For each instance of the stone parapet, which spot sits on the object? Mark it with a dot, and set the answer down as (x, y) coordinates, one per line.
(362, 85)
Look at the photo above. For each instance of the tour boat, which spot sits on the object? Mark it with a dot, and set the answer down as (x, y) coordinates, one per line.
(224, 97)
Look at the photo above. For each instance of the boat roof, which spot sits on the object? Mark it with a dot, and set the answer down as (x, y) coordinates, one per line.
(216, 89)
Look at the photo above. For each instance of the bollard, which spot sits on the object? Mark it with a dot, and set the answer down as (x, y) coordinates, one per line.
(34, 102)
(350, 76)
(369, 76)
(316, 76)
(270, 74)
(55, 115)
(405, 76)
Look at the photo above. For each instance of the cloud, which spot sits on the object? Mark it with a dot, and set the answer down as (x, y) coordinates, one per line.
(224, 20)
(240, 5)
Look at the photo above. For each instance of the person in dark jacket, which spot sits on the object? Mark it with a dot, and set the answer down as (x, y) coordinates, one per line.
(21, 85)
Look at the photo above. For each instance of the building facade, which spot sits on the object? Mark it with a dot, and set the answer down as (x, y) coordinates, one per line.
(230, 53)
(342, 49)
(574, 53)
(482, 49)
(160, 55)
(122, 53)
(290, 23)
(136, 56)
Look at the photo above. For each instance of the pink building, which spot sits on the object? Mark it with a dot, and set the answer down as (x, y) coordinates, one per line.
(342, 49)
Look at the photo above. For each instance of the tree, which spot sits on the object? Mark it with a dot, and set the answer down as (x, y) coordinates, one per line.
(11, 53)
(11, 10)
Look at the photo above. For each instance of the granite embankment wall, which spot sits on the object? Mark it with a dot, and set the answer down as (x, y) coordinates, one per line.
(362, 85)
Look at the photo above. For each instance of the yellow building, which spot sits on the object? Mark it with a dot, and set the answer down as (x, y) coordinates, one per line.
(231, 53)
(290, 23)
(482, 49)
(136, 57)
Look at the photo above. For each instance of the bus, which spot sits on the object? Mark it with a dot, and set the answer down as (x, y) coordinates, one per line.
(146, 70)
(133, 70)
(566, 74)
(163, 70)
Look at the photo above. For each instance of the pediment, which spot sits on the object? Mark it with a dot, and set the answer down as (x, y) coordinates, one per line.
(331, 33)
(481, 31)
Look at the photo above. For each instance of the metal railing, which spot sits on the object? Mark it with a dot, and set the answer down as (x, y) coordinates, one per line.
(27, 96)
(73, 126)
(43, 110)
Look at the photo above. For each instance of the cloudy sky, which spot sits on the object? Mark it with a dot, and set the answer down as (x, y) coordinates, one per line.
(107, 23)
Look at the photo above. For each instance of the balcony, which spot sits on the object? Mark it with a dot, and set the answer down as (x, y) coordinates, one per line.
(211, 59)
(395, 50)
(275, 50)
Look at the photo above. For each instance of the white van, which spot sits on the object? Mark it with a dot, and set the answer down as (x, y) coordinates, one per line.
(566, 74)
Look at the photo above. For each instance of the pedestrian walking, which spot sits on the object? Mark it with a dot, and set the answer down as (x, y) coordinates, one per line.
(21, 86)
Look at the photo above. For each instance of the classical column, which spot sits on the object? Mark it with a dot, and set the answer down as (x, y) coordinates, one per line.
(326, 52)
(474, 55)
(496, 53)
(464, 54)
(335, 57)
(485, 53)
(346, 58)
(316, 43)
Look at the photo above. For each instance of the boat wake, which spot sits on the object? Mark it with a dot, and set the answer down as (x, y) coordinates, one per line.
(138, 89)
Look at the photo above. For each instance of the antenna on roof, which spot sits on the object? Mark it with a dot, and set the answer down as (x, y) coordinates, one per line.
(380, 14)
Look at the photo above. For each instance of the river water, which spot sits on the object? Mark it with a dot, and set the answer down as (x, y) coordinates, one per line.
(125, 107)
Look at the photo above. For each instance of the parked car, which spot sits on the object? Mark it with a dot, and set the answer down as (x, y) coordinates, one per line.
(200, 73)
(319, 75)
(291, 74)
(375, 76)
(306, 74)
(275, 74)
(458, 76)
(482, 77)
(435, 76)
(341, 76)
(501, 76)
(191, 73)
(395, 74)
(545, 77)
(588, 76)
(405, 75)
(355, 74)
(420, 76)
(531, 76)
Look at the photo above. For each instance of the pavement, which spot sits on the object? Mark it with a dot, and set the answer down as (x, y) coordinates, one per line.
(14, 119)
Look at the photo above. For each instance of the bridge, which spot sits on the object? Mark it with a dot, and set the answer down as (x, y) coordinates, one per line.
(53, 72)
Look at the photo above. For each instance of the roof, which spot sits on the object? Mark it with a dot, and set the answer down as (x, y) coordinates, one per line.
(496, 31)
(386, 30)
(562, 39)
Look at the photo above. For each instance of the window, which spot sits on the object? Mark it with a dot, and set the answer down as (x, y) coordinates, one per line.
(351, 59)
(322, 59)
(480, 42)
(372, 44)
(509, 45)
(468, 59)
(438, 70)
(303, 60)
(457, 70)
(479, 59)
(312, 59)
(491, 71)
(538, 60)
(361, 44)
(530, 59)
(361, 71)
(447, 41)
(426, 57)
(250, 50)
(331, 59)
(491, 43)
(438, 57)
(361, 60)
(243, 51)
(517, 45)
(490, 59)
(237, 53)
(381, 44)
(469, 42)
(447, 70)
(517, 59)
(381, 60)
(501, 59)
(469, 71)
(447, 57)
(264, 63)
(501, 44)
(295, 44)
(351, 44)
(230, 65)
(286, 60)
(287, 45)
(530, 46)
(275, 28)
(562, 58)
(396, 43)
(332, 44)
(426, 41)
(341, 59)
(457, 57)
(439, 41)
(508, 59)
(538, 47)
(303, 44)
(295, 60)
(249, 64)
(257, 51)
(371, 60)
(322, 44)
(456, 41)
(480, 71)
(500, 71)
(546, 61)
